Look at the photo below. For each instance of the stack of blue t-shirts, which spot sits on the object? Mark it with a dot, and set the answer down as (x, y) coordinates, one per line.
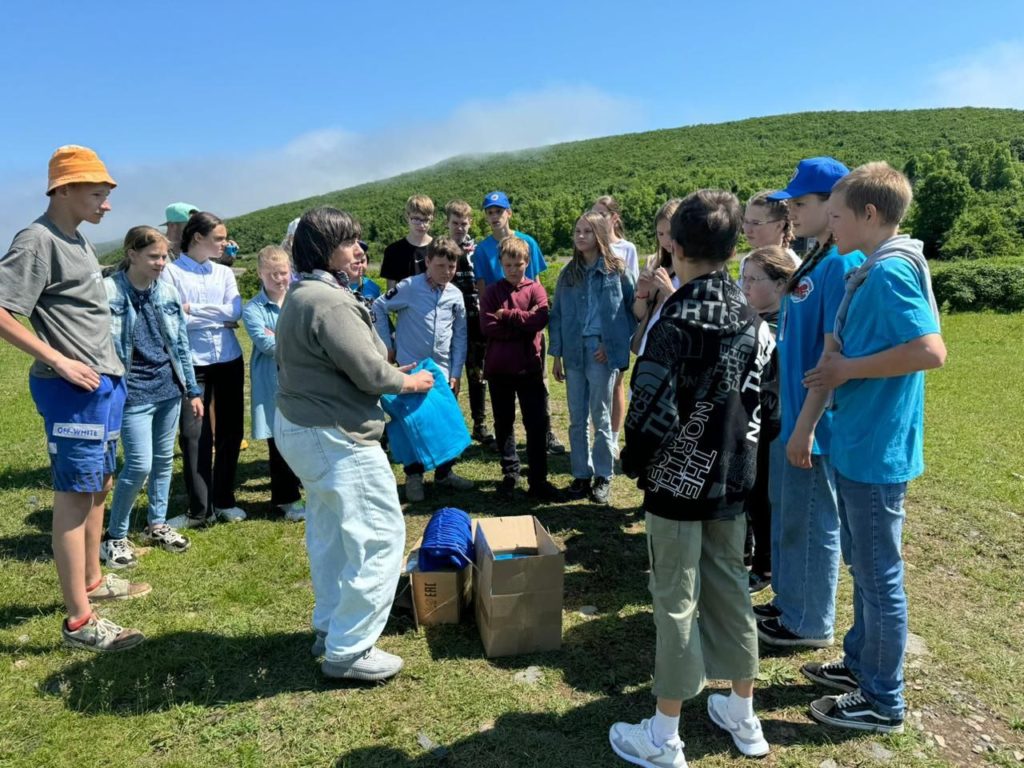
(426, 428)
(447, 541)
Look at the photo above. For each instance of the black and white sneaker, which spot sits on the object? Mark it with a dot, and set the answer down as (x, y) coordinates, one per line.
(117, 553)
(578, 489)
(766, 611)
(831, 674)
(600, 490)
(853, 711)
(771, 632)
(758, 582)
(554, 445)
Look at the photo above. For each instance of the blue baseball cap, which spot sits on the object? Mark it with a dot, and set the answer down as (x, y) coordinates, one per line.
(496, 200)
(815, 175)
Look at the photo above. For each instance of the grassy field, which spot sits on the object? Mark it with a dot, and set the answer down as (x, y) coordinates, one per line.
(225, 677)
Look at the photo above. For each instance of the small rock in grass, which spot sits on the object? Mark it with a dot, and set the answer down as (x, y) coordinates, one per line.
(22, 639)
(916, 646)
(877, 752)
(986, 737)
(977, 749)
(588, 610)
(21, 663)
(530, 676)
(939, 740)
(430, 745)
(1018, 756)
(829, 763)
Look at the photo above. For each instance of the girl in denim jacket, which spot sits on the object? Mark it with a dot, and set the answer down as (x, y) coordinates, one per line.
(148, 328)
(591, 326)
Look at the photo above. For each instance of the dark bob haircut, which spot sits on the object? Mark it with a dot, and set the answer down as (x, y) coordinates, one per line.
(707, 225)
(320, 231)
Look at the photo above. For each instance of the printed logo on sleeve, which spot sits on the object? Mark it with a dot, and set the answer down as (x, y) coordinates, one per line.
(803, 289)
(80, 431)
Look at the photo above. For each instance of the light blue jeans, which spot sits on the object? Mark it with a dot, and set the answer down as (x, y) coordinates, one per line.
(805, 543)
(872, 534)
(355, 532)
(589, 393)
(147, 438)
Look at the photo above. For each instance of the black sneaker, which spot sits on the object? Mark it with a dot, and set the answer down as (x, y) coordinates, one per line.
(766, 611)
(579, 489)
(853, 711)
(831, 674)
(600, 491)
(759, 583)
(555, 447)
(546, 492)
(771, 632)
(482, 434)
(507, 487)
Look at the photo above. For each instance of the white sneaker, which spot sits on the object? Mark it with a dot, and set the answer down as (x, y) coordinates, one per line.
(294, 512)
(455, 482)
(634, 744)
(372, 665)
(229, 515)
(117, 553)
(414, 488)
(746, 734)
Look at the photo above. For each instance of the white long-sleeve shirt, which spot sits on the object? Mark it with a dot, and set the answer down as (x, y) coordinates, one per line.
(212, 296)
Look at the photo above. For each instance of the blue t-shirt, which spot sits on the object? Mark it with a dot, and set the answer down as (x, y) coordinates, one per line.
(807, 314)
(487, 265)
(878, 424)
(367, 288)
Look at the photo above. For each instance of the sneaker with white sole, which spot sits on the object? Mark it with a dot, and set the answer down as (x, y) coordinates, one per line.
(414, 488)
(117, 553)
(746, 733)
(229, 514)
(772, 632)
(831, 674)
(294, 512)
(853, 711)
(187, 521)
(454, 482)
(373, 665)
(113, 587)
(634, 743)
(101, 635)
(164, 536)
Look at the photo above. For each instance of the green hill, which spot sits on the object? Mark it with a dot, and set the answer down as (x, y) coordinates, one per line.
(550, 186)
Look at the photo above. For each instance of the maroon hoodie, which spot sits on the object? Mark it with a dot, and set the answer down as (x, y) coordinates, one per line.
(514, 341)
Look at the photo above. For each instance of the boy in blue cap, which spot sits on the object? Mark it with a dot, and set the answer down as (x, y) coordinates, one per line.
(887, 329)
(487, 266)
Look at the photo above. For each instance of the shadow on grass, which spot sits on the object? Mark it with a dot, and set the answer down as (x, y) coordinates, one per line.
(187, 668)
(13, 615)
(579, 738)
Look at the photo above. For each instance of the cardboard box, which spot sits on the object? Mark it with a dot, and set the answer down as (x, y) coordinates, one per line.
(518, 599)
(438, 597)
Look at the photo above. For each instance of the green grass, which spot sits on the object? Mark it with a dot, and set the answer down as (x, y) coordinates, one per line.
(225, 677)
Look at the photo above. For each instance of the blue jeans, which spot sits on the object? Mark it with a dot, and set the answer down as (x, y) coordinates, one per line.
(872, 533)
(355, 532)
(589, 392)
(147, 436)
(805, 543)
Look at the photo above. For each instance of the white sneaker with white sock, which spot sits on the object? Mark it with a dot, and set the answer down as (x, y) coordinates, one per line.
(735, 715)
(634, 743)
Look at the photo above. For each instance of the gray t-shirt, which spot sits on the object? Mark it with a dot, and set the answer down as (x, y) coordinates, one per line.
(55, 282)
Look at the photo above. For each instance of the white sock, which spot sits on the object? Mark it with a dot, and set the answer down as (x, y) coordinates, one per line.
(740, 708)
(664, 728)
(615, 439)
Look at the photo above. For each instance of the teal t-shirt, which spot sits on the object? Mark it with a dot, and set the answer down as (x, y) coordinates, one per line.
(878, 424)
(807, 314)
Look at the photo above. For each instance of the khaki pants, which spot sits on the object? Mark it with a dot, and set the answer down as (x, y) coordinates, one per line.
(701, 604)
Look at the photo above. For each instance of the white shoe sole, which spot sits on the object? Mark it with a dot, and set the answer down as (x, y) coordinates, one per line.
(747, 750)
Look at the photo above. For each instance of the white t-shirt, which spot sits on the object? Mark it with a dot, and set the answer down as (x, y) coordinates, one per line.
(656, 315)
(626, 251)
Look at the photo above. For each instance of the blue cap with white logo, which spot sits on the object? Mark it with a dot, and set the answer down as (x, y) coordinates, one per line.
(815, 175)
(496, 200)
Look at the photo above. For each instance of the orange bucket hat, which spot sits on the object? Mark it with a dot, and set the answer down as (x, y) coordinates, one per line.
(73, 164)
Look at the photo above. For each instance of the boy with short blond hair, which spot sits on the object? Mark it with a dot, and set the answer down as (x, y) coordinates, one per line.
(407, 257)
(459, 219)
(431, 322)
(888, 333)
(513, 314)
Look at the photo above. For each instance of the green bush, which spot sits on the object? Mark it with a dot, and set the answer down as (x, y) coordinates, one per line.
(974, 286)
(249, 282)
(980, 233)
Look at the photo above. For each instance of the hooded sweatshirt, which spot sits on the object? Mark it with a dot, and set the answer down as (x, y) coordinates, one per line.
(703, 394)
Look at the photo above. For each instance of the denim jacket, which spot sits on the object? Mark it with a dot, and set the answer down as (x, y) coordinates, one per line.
(259, 316)
(172, 328)
(614, 293)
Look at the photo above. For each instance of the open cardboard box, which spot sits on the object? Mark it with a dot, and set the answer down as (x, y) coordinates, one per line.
(438, 597)
(518, 586)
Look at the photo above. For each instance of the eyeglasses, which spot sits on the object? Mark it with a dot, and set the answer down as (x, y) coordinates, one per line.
(758, 222)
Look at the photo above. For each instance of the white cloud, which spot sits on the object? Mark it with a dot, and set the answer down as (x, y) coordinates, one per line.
(330, 159)
(990, 78)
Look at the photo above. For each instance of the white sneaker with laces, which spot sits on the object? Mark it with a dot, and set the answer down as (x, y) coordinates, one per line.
(634, 744)
(746, 734)
(117, 553)
(294, 512)
(230, 515)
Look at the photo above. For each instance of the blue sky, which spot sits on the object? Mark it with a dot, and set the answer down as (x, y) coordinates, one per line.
(234, 106)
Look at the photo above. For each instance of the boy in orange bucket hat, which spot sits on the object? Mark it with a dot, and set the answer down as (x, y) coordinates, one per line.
(51, 275)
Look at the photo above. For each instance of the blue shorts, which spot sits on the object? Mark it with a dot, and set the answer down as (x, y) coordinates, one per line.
(82, 428)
